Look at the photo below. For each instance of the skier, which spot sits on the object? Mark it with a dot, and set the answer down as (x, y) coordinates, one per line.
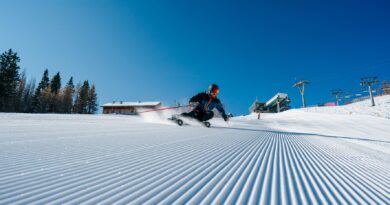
(204, 103)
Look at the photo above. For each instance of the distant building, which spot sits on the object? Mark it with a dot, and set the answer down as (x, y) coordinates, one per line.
(128, 108)
(329, 104)
(278, 103)
(257, 107)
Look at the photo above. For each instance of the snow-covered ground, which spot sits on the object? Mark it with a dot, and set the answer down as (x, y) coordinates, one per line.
(382, 108)
(305, 156)
(357, 120)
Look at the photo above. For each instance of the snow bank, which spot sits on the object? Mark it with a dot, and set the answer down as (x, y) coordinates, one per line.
(358, 120)
(381, 108)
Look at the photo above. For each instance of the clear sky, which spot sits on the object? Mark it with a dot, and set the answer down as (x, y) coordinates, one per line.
(170, 50)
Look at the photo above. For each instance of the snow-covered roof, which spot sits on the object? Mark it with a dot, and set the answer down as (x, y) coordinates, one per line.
(132, 104)
(278, 95)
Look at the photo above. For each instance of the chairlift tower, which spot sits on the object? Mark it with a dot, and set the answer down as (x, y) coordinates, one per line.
(369, 81)
(301, 87)
(336, 93)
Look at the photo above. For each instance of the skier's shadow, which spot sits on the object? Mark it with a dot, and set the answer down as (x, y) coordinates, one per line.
(301, 134)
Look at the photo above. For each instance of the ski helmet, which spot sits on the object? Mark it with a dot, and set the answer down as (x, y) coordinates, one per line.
(213, 88)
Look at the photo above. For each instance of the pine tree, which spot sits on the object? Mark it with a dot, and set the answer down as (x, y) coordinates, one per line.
(84, 96)
(40, 103)
(53, 97)
(68, 96)
(55, 83)
(82, 99)
(9, 79)
(92, 100)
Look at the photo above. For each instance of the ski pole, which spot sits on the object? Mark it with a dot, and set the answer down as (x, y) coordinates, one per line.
(161, 109)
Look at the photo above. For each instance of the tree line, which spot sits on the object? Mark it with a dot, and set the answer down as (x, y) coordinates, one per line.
(18, 95)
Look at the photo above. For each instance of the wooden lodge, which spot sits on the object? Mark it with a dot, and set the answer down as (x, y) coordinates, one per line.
(129, 108)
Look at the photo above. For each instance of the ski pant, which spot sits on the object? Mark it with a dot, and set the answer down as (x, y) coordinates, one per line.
(201, 116)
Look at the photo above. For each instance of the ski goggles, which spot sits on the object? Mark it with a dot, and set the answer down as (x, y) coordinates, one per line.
(215, 91)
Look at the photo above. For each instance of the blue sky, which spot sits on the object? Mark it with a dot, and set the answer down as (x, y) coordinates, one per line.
(170, 50)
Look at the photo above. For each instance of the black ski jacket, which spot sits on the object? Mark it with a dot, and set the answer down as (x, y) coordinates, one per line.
(207, 103)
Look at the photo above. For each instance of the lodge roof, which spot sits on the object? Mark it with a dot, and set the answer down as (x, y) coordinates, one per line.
(131, 104)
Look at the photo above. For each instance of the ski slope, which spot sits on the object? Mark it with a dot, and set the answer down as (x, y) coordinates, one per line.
(382, 108)
(296, 157)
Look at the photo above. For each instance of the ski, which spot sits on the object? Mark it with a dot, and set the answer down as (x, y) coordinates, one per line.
(179, 121)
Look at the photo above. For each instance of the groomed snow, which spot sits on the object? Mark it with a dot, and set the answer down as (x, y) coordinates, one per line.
(295, 157)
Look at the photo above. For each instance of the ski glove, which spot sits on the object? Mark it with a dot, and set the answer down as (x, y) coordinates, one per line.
(225, 117)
